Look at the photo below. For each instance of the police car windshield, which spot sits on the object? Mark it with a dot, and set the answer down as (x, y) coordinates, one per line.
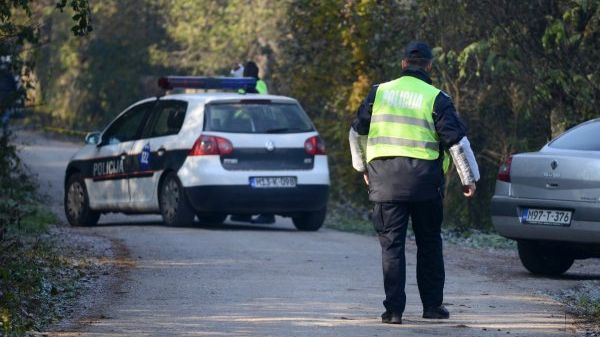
(256, 118)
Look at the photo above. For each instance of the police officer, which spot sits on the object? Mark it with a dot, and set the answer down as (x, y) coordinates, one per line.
(400, 140)
(251, 70)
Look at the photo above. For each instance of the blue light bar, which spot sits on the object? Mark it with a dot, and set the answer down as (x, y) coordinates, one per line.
(203, 82)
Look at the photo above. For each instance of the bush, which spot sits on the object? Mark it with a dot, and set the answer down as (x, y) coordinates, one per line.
(32, 272)
(17, 191)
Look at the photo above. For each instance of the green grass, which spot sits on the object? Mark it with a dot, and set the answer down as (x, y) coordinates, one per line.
(35, 280)
(359, 226)
(349, 218)
(36, 274)
(34, 222)
(477, 239)
(583, 301)
(589, 307)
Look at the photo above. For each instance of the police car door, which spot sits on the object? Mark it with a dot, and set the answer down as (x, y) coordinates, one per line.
(112, 162)
(157, 150)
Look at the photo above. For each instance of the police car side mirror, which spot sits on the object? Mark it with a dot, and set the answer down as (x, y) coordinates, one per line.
(93, 138)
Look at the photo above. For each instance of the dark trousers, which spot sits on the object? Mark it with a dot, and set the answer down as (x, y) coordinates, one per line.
(390, 220)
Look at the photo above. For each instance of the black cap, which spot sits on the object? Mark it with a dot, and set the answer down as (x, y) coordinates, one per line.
(418, 50)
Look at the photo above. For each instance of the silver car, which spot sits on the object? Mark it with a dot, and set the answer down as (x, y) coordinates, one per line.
(549, 201)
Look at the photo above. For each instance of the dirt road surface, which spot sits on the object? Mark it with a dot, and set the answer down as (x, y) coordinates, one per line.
(245, 280)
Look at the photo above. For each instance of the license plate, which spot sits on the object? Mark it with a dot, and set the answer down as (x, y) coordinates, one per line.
(272, 182)
(546, 216)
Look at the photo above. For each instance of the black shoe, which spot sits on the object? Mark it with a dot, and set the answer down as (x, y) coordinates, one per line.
(436, 312)
(389, 317)
(264, 219)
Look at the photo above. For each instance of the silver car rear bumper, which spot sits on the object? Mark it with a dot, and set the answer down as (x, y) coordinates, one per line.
(584, 228)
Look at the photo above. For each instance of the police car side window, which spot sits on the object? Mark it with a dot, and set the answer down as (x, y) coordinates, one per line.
(126, 127)
(169, 116)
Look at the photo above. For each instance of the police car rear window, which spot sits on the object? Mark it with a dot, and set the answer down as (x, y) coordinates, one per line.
(259, 117)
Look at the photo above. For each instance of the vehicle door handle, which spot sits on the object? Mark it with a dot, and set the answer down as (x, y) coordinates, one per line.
(551, 185)
(161, 152)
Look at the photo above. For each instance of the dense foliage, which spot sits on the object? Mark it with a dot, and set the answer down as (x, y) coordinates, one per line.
(33, 274)
(19, 33)
(519, 72)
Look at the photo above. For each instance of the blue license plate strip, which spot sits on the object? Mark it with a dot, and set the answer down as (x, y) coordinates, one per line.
(272, 182)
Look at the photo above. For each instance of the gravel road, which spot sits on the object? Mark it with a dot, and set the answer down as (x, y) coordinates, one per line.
(246, 280)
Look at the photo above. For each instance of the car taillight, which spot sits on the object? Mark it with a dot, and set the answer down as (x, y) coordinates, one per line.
(211, 145)
(504, 171)
(314, 145)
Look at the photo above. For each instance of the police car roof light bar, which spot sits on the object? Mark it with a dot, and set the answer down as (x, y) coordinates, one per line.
(203, 82)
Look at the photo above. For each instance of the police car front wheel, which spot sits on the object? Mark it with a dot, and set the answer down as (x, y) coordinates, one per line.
(174, 205)
(309, 221)
(77, 206)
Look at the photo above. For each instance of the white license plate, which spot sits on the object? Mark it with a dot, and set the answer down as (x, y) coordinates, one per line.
(546, 216)
(272, 182)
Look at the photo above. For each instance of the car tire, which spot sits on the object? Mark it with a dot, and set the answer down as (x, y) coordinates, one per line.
(76, 203)
(174, 205)
(540, 260)
(309, 221)
(207, 218)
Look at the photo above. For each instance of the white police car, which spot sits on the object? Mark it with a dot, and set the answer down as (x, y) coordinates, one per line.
(206, 155)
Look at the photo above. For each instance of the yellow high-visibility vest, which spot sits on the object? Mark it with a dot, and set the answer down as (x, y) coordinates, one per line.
(402, 121)
(261, 87)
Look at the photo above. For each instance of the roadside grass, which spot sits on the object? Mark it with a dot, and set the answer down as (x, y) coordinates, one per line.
(349, 218)
(584, 302)
(37, 276)
(353, 219)
(35, 280)
(477, 239)
(590, 307)
(34, 223)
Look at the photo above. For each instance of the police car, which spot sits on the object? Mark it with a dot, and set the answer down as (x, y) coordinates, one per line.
(208, 155)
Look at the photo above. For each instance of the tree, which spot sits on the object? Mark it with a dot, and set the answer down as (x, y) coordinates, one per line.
(519, 72)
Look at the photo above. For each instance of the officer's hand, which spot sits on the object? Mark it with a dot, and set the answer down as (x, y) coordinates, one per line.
(469, 191)
(366, 178)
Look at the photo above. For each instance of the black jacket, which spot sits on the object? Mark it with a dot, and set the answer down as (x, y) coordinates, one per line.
(404, 178)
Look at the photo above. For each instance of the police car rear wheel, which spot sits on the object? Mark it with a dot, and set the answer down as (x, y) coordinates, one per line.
(174, 206)
(309, 221)
(77, 207)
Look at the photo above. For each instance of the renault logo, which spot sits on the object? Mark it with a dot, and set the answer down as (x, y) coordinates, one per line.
(270, 145)
(553, 164)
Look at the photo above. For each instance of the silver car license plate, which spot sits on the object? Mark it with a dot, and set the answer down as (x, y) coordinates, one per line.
(272, 182)
(546, 216)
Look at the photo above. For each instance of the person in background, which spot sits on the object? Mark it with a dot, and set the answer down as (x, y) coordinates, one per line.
(9, 93)
(237, 70)
(251, 70)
